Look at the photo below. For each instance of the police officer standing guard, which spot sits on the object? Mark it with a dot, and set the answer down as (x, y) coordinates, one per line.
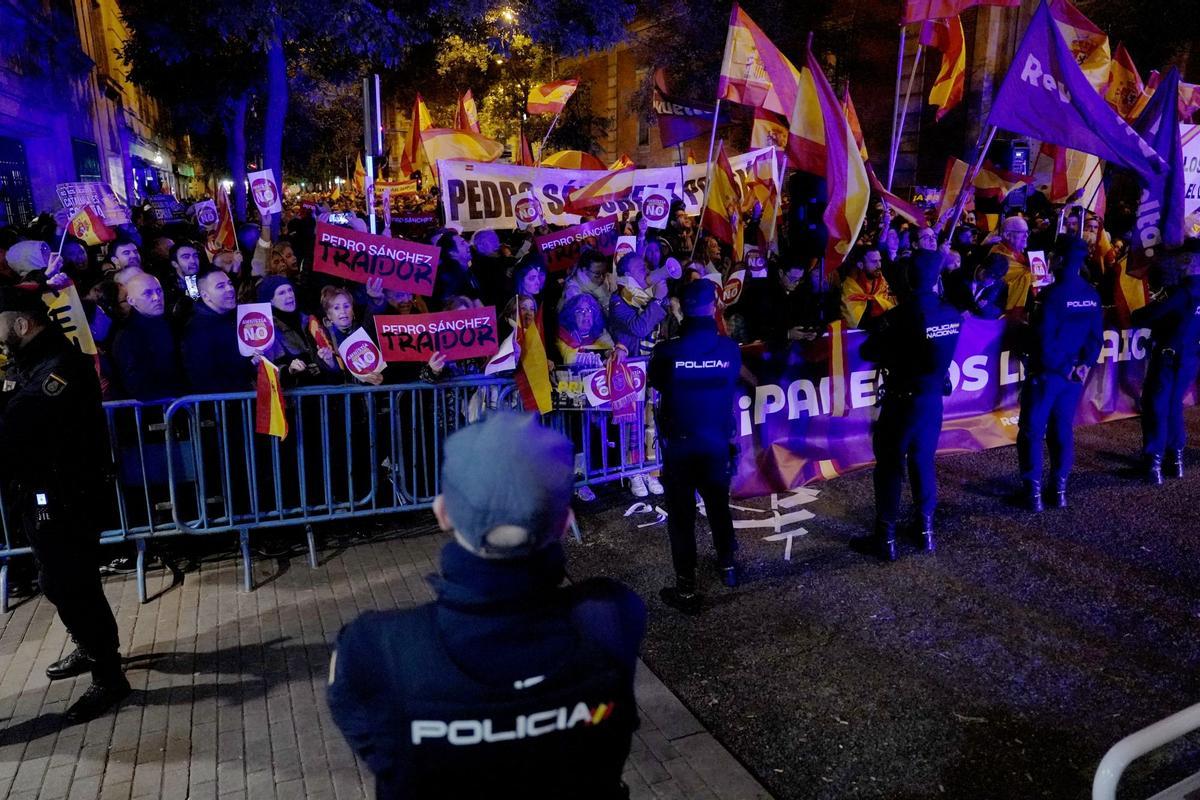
(1174, 323)
(913, 345)
(696, 377)
(56, 459)
(1066, 333)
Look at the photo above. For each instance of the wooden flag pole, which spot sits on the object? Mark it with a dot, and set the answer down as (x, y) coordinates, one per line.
(712, 142)
(967, 179)
(896, 108)
(895, 154)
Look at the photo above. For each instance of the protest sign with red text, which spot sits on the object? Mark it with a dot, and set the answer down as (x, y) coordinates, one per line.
(561, 250)
(361, 355)
(403, 266)
(469, 333)
(255, 328)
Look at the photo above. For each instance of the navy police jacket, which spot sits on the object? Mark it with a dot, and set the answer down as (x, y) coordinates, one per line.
(506, 686)
(696, 375)
(1067, 326)
(915, 343)
(1174, 321)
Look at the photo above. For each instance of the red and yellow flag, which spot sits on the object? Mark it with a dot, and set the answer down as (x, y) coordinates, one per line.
(1088, 43)
(952, 185)
(447, 144)
(806, 128)
(360, 175)
(525, 153)
(921, 10)
(722, 214)
(995, 183)
(1125, 85)
(572, 159)
(898, 206)
(413, 154)
(607, 188)
(467, 118)
(946, 36)
(533, 370)
(88, 227)
(549, 98)
(855, 126)
(621, 163)
(269, 409)
(839, 369)
(224, 236)
(753, 70)
(769, 130)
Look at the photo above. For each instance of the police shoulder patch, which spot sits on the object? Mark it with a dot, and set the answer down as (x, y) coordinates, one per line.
(53, 385)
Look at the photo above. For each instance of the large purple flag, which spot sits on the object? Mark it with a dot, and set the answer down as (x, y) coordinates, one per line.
(680, 120)
(1160, 209)
(1047, 96)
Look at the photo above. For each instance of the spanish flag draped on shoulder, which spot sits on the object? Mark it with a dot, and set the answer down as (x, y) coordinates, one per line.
(549, 98)
(270, 417)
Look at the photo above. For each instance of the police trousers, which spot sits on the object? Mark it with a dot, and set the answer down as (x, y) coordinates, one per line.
(907, 431)
(68, 571)
(1168, 379)
(1048, 405)
(688, 469)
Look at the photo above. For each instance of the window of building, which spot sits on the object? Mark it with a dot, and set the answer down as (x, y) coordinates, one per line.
(87, 161)
(16, 194)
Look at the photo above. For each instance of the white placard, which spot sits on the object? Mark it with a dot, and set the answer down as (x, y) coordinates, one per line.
(255, 328)
(361, 355)
(265, 191)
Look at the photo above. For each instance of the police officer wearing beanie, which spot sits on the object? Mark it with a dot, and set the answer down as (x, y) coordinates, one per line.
(1174, 323)
(54, 438)
(696, 378)
(1066, 334)
(913, 345)
(508, 684)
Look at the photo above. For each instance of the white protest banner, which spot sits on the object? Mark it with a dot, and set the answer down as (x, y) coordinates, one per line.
(361, 355)
(1189, 138)
(625, 246)
(99, 196)
(255, 328)
(265, 191)
(1039, 268)
(656, 207)
(477, 195)
(528, 211)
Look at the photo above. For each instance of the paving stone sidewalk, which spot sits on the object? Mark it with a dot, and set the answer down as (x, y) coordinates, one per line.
(229, 690)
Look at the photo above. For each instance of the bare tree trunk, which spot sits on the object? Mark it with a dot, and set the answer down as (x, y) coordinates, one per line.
(235, 152)
(277, 103)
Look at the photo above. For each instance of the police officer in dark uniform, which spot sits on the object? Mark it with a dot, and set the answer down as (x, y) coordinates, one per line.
(913, 345)
(1066, 334)
(696, 377)
(1174, 323)
(55, 466)
(508, 684)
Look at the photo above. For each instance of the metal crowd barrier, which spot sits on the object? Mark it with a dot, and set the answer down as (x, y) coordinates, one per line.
(196, 466)
(1136, 745)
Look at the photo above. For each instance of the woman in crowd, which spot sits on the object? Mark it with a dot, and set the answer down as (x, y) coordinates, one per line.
(294, 351)
(338, 323)
(582, 339)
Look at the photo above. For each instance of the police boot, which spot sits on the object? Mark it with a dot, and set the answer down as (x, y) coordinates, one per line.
(74, 663)
(1060, 493)
(1032, 496)
(881, 544)
(98, 699)
(1175, 465)
(1154, 473)
(682, 596)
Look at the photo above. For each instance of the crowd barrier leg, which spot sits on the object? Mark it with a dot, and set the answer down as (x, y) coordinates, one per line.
(141, 570)
(4, 586)
(247, 565)
(312, 546)
(575, 530)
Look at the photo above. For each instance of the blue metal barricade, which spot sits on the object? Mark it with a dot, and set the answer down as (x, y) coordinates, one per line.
(196, 466)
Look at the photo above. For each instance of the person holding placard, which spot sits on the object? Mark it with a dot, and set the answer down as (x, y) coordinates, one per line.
(294, 351)
(212, 362)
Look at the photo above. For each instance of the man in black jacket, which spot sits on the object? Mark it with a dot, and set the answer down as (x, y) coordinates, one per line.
(144, 348)
(56, 458)
(212, 362)
(508, 684)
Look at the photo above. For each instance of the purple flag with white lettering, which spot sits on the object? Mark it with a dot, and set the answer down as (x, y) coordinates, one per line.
(1047, 96)
(1159, 218)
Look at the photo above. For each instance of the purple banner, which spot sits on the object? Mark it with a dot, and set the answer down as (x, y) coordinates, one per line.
(789, 438)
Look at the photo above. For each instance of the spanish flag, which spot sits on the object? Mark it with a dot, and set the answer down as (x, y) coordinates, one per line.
(621, 163)
(360, 175)
(722, 214)
(946, 35)
(753, 70)
(549, 98)
(921, 10)
(525, 153)
(952, 185)
(1125, 85)
(413, 154)
(467, 118)
(533, 370)
(447, 144)
(806, 128)
(269, 410)
(608, 187)
(901, 207)
(769, 130)
(995, 183)
(572, 159)
(1088, 43)
(855, 126)
(225, 235)
(89, 228)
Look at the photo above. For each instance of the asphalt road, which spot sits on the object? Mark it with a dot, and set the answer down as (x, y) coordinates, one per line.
(1002, 666)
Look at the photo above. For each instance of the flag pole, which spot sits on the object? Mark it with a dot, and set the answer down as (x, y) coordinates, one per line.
(546, 138)
(896, 108)
(967, 179)
(712, 142)
(895, 154)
